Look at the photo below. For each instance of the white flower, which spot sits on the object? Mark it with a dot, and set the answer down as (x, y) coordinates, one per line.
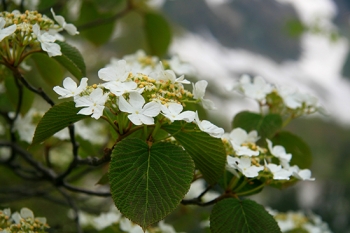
(291, 98)
(256, 90)
(199, 92)
(116, 77)
(27, 213)
(278, 172)
(209, 128)
(140, 113)
(279, 152)
(24, 125)
(180, 67)
(105, 219)
(301, 174)
(173, 112)
(161, 74)
(46, 40)
(70, 88)
(5, 32)
(166, 228)
(244, 165)
(127, 226)
(238, 136)
(70, 28)
(93, 103)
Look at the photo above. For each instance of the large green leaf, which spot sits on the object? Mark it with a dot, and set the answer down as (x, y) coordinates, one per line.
(50, 70)
(57, 118)
(98, 34)
(266, 125)
(158, 33)
(148, 181)
(72, 60)
(301, 153)
(207, 152)
(236, 216)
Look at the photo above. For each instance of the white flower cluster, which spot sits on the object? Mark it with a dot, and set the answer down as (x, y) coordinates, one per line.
(300, 222)
(251, 160)
(143, 90)
(21, 222)
(114, 217)
(285, 99)
(28, 29)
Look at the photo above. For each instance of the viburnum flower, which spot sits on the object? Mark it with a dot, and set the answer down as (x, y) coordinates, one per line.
(301, 174)
(70, 88)
(161, 74)
(279, 152)
(239, 137)
(208, 127)
(70, 28)
(46, 40)
(278, 172)
(5, 32)
(93, 103)
(173, 111)
(258, 89)
(199, 92)
(116, 77)
(141, 113)
(127, 226)
(244, 165)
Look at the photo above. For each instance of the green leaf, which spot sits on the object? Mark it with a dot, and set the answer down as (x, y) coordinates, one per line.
(12, 95)
(158, 33)
(72, 60)
(301, 153)
(266, 125)
(57, 118)
(148, 182)
(50, 70)
(100, 34)
(236, 216)
(207, 152)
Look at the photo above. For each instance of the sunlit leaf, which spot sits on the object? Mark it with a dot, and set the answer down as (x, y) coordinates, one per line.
(148, 181)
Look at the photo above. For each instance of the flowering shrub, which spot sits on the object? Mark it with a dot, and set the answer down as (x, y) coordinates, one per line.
(155, 142)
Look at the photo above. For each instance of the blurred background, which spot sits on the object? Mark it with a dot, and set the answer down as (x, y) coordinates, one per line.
(300, 43)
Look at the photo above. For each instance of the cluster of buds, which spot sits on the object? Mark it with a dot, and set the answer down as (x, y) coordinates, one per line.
(22, 34)
(245, 157)
(278, 99)
(21, 222)
(142, 88)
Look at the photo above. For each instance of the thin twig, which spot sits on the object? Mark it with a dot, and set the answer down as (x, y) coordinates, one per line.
(89, 192)
(103, 21)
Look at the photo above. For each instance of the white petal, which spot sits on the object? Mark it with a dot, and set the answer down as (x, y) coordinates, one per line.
(136, 100)
(199, 89)
(7, 31)
(208, 104)
(151, 109)
(187, 116)
(135, 119)
(85, 111)
(71, 29)
(146, 119)
(175, 108)
(124, 106)
(27, 213)
(69, 84)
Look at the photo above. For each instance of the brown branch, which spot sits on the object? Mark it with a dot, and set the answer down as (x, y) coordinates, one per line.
(89, 192)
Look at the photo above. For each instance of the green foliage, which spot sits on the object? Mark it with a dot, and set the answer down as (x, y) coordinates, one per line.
(296, 146)
(96, 34)
(236, 216)
(49, 69)
(148, 181)
(158, 33)
(12, 93)
(207, 152)
(72, 60)
(266, 125)
(57, 118)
